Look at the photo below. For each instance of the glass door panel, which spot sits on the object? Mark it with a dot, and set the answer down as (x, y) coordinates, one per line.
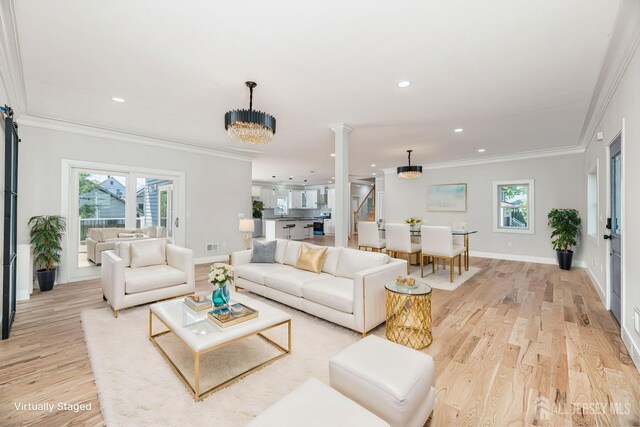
(101, 210)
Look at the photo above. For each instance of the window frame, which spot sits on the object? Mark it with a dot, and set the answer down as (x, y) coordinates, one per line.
(530, 207)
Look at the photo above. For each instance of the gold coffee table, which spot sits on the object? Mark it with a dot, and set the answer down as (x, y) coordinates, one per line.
(408, 313)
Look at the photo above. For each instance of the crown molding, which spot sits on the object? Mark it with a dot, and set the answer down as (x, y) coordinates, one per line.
(562, 151)
(624, 41)
(99, 132)
(11, 73)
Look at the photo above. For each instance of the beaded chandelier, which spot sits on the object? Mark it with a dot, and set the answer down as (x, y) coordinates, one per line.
(250, 126)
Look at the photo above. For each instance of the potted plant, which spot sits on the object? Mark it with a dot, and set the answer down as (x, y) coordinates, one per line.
(413, 222)
(258, 207)
(46, 238)
(566, 225)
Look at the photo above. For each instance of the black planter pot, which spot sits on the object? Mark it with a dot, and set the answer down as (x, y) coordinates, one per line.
(565, 259)
(46, 278)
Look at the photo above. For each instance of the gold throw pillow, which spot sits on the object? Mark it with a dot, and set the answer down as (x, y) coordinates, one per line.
(311, 259)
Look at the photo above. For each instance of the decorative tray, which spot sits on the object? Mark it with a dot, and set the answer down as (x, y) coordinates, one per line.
(202, 302)
(232, 315)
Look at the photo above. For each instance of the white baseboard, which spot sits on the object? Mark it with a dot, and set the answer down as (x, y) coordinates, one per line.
(598, 286)
(22, 295)
(632, 347)
(523, 258)
(211, 259)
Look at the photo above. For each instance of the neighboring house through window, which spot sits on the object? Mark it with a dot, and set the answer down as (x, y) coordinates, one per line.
(513, 206)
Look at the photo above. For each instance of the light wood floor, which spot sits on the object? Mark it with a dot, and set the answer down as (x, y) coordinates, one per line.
(519, 344)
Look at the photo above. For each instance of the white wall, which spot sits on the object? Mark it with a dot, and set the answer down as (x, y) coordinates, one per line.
(559, 183)
(217, 189)
(624, 104)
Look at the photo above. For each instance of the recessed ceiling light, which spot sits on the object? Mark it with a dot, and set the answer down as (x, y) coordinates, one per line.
(481, 150)
(373, 166)
(117, 99)
(458, 130)
(333, 177)
(291, 176)
(332, 154)
(374, 174)
(404, 83)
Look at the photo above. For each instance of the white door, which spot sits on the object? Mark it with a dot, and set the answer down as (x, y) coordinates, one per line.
(166, 215)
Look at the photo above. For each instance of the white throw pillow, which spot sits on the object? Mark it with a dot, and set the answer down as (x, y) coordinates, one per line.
(281, 247)
(149, 252)
(123, 250)
(352, 261)
(292, 253)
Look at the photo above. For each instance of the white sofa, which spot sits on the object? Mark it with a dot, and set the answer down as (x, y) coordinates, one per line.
(349, 291)
(145, 271)
(105, 239)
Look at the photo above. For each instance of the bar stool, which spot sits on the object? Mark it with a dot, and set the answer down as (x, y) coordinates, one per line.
(288, 227)
(309, 228)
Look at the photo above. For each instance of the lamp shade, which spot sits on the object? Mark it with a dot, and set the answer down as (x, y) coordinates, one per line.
(246, 225)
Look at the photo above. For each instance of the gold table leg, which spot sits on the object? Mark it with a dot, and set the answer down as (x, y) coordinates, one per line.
(466, 252)
(195, 388)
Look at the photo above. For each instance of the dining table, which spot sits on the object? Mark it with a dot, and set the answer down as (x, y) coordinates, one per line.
(465, 233)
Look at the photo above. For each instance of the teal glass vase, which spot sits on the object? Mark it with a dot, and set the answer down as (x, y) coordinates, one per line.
(220, 296)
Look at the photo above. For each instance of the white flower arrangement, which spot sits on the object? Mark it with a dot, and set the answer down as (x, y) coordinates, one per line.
(220, 273)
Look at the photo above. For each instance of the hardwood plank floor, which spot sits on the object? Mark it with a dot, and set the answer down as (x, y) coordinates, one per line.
(519, 344)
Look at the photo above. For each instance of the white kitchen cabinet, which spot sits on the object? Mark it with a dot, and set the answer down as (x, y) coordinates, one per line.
(329, 227)
(311, 199)
(331, 198)
(267, 197)
(295, 199)
(255, 191)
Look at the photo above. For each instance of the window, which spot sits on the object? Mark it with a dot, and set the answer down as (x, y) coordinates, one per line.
(592, 203)
(513, 206)
(282, 206)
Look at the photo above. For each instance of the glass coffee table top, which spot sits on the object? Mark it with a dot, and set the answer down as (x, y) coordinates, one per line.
(420, 288)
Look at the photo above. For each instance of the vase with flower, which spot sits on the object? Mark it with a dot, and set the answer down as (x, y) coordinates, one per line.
(220, 276)
(414, 223)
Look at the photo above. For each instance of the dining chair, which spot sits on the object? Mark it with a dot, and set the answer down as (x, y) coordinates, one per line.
(459, 240)
(399, 243)
(437, 242)
(369, 236)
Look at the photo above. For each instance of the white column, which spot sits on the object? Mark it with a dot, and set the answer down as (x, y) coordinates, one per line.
(342, 213)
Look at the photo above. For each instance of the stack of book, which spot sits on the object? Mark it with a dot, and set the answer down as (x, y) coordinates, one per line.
(198, 302)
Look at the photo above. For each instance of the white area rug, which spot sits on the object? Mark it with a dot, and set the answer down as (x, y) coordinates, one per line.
(137, 387)
(440, 280)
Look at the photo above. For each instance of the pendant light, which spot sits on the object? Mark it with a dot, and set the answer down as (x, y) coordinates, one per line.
(250, 126)
(410, 171)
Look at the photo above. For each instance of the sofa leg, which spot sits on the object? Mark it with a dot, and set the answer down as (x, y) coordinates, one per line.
(115, 313)
(104, 298)
(364, 334)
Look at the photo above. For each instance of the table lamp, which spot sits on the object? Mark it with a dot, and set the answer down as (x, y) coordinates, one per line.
(247, 226)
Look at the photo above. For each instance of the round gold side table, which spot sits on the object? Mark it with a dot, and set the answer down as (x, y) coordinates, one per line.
(408, 313)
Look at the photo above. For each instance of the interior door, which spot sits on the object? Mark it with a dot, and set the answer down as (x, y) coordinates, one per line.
(614, 224)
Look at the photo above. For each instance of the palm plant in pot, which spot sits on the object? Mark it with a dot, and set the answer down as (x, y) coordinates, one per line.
(46, 240)
(566, 225)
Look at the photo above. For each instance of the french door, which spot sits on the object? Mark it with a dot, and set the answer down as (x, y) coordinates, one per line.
(102, 199)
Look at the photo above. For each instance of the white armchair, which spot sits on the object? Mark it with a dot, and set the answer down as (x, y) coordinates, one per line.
(145, 271)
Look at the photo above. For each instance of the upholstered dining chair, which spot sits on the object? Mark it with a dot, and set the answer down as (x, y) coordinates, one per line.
(369, 236)
(437, 242)
(459, 240)
(399, 243)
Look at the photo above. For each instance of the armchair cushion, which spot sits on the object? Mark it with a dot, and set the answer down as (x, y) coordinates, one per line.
(146, 253)
(152, 277)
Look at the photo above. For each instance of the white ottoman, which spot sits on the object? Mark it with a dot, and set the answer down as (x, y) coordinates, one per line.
(388, 379)
(315, 404)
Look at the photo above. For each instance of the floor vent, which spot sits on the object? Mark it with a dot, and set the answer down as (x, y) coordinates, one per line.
(212, 247)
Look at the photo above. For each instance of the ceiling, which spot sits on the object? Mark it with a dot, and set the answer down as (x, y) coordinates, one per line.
(516, 75)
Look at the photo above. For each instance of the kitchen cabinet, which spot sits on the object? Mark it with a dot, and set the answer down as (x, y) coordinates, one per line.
(295, 199)
(267, 197)
(255, 191)
(329, 227)
(331, 198)
(310, 199)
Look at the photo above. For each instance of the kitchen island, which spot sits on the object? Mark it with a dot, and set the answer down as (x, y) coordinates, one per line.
(285, 228)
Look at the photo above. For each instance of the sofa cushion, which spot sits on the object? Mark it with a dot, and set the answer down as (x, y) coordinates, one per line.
(152, 277)
(281, 247)
(123, 250)
(264, 252)
(148, 252)
(292, 253)
(352, 261)
(291, 281)
(333, 292)
(311, 259)
(257, 272)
